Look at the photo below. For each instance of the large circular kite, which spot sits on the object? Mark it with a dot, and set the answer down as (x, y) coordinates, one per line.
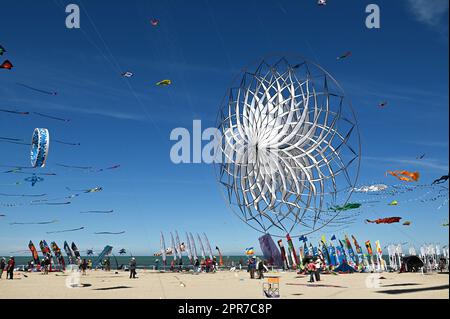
(289, 147)
(40, 143)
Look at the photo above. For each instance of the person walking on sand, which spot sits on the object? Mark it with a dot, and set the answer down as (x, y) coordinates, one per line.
(311, 269)
(10, 268)
(83, 267)
(133, 268)
(2, 266)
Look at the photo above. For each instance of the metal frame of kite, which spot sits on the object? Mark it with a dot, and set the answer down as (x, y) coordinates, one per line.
(40, 143)
(294, 116)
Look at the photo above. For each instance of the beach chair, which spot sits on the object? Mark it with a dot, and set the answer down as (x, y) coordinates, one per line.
(271, 288)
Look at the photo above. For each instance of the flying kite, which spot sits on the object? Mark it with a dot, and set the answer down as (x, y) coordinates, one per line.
(371, 188)
(34, 179)
(249, 251)
(90, 252)
(393, 203)
(382, 105)
(2, 50)
(98, 212)
(127, 74)
(37, 90)
(347, 206)
(2, 215)
(388, 220)
(90, 190)
(14, 112)
(322, 2)
(65, 231)
(6, 65)
(36, 223)
(22, 195)
(164, 83)
(40, 143)
(109, 233)
(445, 224)
(51, 204)
(154, 22)
(51, 117)
(77, 167)
(407, 223)
(108, 168)
(122, 251)
(441, 180)
(405, 176)
(67, 143)
(420, 156)
(344, 56)
(13, 140)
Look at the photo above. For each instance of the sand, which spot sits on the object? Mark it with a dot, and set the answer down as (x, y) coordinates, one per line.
(224, 285)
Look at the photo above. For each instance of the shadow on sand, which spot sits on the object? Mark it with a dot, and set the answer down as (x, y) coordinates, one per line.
(401, 285)
(112, 288)
(405, 291)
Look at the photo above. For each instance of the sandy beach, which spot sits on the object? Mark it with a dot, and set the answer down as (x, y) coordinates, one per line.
(224, 285)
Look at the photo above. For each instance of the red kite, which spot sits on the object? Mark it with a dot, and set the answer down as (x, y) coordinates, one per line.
(388, 220)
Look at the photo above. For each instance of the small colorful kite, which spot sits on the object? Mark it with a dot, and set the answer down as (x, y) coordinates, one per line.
(388, 220)
(154, 22)
(407, 223)
(2, 50)
(405, 176)
(393, 203)
(127, 74)
(344, 56)
(249, 251)
(164, 83)
(40, 143)
(6, 65)
(322, 2)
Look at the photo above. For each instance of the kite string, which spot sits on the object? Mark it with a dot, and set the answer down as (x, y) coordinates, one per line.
(118, 68)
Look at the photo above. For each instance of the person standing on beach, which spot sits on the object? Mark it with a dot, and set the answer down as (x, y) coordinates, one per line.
(2, 266)
(10, 268)
(311, 269)
(133, 268)
(318, 269)
(260, 268)
(84, 266)
(252, 267)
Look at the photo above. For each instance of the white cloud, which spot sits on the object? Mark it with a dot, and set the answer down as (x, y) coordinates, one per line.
(429, 12)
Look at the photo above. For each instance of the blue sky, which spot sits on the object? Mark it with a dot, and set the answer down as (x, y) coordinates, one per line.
(201, 46)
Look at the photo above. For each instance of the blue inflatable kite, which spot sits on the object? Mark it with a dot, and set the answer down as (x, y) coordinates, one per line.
(39, 147)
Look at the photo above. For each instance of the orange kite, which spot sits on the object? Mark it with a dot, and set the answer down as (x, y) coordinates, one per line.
(405, 176)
